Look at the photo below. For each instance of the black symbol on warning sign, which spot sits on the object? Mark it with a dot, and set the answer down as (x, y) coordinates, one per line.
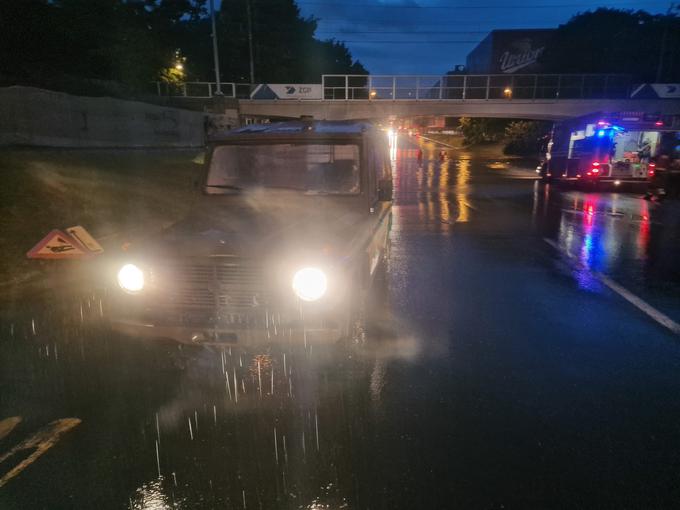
(61, 249)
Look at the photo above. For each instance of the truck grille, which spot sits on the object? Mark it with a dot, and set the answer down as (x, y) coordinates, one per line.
(219, 282)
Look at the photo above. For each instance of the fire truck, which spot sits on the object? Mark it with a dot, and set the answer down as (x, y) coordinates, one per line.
(612, 149)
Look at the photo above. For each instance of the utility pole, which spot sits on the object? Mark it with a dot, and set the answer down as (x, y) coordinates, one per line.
(250, 42)
(218, 84)
(664, 39)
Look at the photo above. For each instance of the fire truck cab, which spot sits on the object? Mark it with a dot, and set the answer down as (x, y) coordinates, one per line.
(620, 148)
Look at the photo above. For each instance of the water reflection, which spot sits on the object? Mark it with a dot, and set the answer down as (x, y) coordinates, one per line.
(151, 496)
(462, 191)
(443, 195)
(436, 184)
(594, 229)
(269, 426)
(617, 234)
(644, 232)
(292, 425)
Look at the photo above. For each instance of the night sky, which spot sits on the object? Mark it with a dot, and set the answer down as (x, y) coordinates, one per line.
(400, 37)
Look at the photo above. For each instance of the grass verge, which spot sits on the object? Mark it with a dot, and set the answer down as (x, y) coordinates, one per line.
(109, 192)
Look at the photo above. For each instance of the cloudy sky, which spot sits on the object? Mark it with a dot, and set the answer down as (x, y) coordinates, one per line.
(432, 36)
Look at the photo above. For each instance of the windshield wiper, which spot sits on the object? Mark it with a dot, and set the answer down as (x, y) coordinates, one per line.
(224, 186)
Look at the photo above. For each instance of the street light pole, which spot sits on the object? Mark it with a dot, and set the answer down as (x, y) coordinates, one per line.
(218, 85)
(664, 38)
(250, 42)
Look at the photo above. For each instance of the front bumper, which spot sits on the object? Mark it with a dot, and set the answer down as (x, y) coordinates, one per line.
(216, 335)
(229, 327)
(633, 185)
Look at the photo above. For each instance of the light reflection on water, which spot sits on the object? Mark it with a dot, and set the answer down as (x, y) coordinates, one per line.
(438, 185)
(151, 496)
(609, 233)
(273, 427)
(444, 206)
(462, 191)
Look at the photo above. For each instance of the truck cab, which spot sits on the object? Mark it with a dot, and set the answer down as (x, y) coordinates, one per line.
(285, 240)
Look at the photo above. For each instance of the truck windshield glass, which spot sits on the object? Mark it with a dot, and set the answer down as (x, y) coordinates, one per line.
(313, 168)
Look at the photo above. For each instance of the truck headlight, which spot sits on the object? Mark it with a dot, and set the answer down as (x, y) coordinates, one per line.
(131, 278)
(310, 284)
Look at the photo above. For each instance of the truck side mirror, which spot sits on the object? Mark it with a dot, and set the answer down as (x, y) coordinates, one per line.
(385, 190)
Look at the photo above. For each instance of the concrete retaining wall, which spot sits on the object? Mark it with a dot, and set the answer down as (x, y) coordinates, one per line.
(31, 116)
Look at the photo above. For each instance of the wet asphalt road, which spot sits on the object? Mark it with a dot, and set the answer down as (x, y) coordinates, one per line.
(499, 373)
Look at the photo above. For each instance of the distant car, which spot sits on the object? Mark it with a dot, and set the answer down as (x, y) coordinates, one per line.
(287, 237)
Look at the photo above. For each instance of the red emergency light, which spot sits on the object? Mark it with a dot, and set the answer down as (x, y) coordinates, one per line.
(651, 169)
(658, 123)
(595, 170)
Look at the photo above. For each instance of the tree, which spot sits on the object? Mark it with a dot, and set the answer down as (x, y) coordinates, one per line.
(525, 138)
(327, 57)
(29, 33)
(617, 41)
(479, 130)
(79, 45)
(285, 49)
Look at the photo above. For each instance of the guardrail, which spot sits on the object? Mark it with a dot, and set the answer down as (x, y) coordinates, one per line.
(203, 89)
(475, 87)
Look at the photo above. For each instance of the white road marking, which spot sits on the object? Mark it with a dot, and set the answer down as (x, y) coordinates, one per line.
(634, 300)
(8, 424)
(41, 441)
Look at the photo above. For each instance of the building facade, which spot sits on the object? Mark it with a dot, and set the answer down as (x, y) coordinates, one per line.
(509, 52)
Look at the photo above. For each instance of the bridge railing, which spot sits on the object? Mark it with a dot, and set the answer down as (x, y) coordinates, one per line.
(475, 87)
(203, 89)
(348, 87)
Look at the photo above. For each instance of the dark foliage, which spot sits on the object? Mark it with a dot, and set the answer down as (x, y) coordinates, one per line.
(481, 130)
(617, 41)
(119, 46)
(526, 138)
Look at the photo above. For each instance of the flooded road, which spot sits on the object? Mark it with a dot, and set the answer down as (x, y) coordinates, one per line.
(499, 372)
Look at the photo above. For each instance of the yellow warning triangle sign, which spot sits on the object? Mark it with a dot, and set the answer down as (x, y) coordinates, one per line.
(58, 245)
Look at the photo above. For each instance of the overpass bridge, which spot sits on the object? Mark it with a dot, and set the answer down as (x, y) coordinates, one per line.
(543, 109)
(347, 97)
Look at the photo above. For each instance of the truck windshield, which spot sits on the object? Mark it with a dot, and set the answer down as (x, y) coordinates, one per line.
(313, 168)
